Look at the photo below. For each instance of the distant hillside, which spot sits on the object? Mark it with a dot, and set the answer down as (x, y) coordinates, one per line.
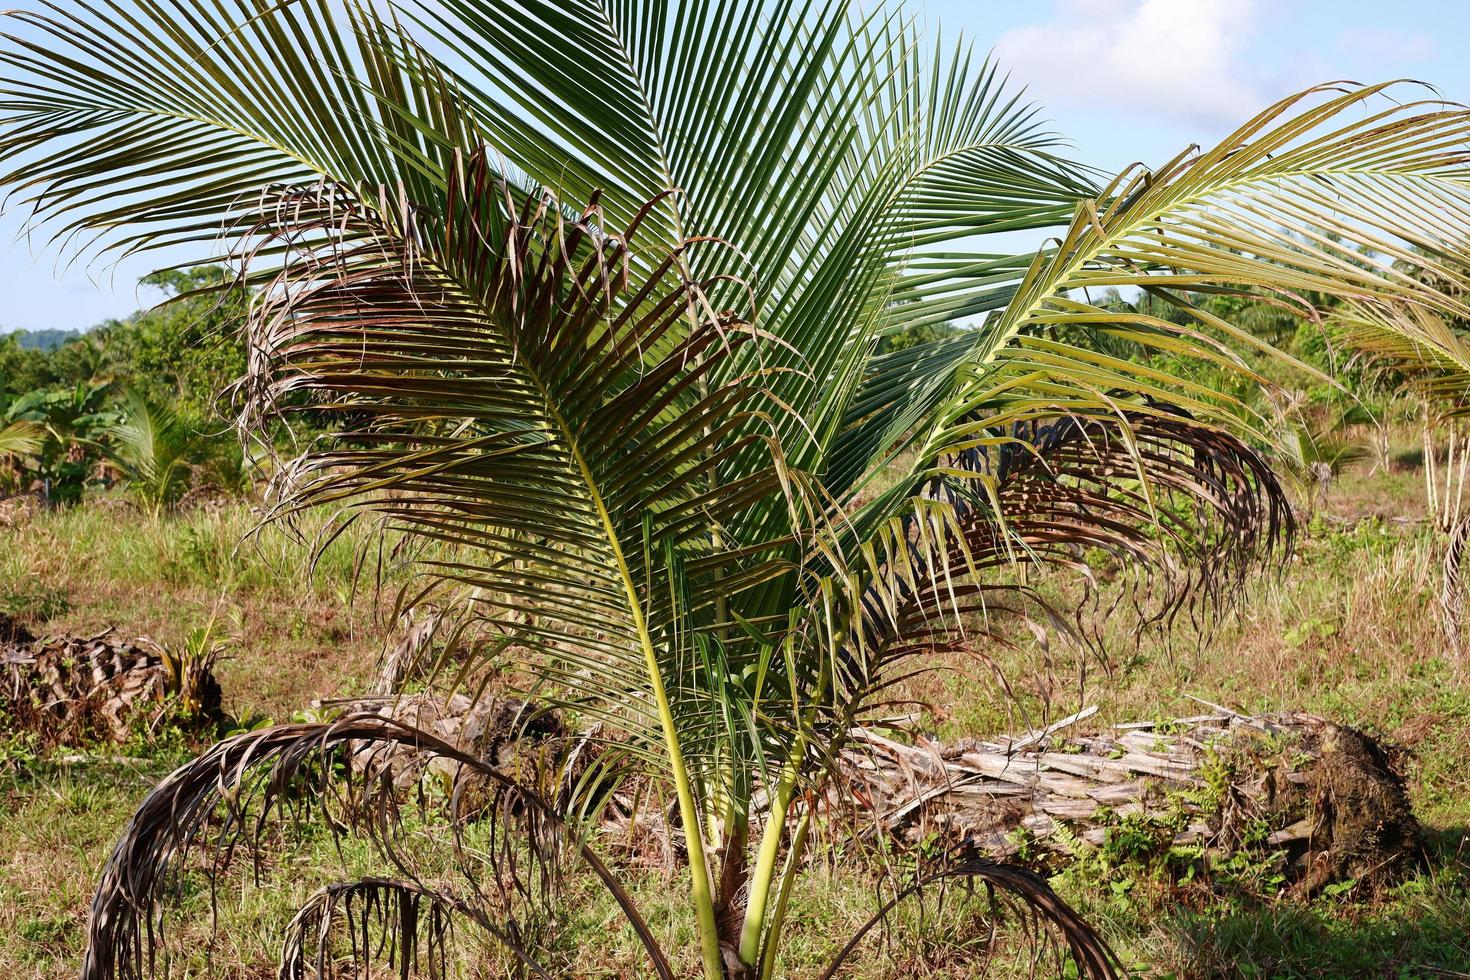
(47, 340)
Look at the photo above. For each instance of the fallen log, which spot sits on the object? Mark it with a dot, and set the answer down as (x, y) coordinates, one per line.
(1323, 800)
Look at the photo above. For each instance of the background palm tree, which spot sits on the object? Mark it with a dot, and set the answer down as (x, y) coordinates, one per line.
(18, 440)
(1426, 353)
(599, 290)
(157, 452)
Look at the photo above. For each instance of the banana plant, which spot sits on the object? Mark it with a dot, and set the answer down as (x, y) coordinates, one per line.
(599, 290)
(71, 424)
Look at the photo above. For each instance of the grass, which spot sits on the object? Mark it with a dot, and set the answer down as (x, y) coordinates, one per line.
(1346, 630)
(304, 629)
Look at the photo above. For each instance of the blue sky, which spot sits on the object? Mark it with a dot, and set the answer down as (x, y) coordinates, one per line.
(1125, 80)
(1139, 80)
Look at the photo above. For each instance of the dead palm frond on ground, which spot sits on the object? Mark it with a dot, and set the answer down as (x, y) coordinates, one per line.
(597, 290)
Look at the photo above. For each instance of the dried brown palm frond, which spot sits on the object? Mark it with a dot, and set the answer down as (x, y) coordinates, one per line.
(401, 925)
(218, 803)
(1024, 893)
(1201, 509)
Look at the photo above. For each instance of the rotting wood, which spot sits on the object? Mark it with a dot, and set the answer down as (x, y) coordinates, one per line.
(72, 690)
(1329, 801)
(1333, 803)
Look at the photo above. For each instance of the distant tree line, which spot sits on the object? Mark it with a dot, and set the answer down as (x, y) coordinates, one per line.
(43, 340)
(130, 402)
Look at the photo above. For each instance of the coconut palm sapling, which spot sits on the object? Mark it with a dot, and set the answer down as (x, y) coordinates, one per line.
(650, 414)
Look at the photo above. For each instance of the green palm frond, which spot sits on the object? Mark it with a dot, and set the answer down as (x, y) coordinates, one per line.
(155, 451)
(21, 438)
(827, 165)
(171, 137)
(517, 393)
(512, 390)
(1234, 217)
(1422, 349)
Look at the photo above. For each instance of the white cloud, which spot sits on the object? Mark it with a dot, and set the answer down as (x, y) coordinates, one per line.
(1181, 58)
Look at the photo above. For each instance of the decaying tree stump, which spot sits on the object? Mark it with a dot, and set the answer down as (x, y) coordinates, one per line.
(1323, 799)
(71, 690)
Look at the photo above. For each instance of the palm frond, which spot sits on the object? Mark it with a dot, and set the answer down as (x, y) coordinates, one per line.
(1289, 203)
(1186, 508)
(1089, 953)
(208, 804)
(154, 449)
(1421, 349)
(526, 391)
(403, 925)
(1292, 203)
(170, 138)
(21, 438)
(825, 143)
(514, 391)
(652, 465)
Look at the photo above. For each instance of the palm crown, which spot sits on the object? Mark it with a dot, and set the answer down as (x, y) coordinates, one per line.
(598, 290)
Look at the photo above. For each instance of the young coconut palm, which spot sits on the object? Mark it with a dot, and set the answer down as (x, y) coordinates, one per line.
(1428, 354)
(598, 293)
(155, 451)
(21, 439)
(17, 441)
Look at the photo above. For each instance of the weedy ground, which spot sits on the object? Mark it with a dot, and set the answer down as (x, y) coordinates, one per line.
(1345, 629)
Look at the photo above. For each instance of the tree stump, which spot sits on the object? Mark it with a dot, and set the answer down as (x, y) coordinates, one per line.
(71, 690)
